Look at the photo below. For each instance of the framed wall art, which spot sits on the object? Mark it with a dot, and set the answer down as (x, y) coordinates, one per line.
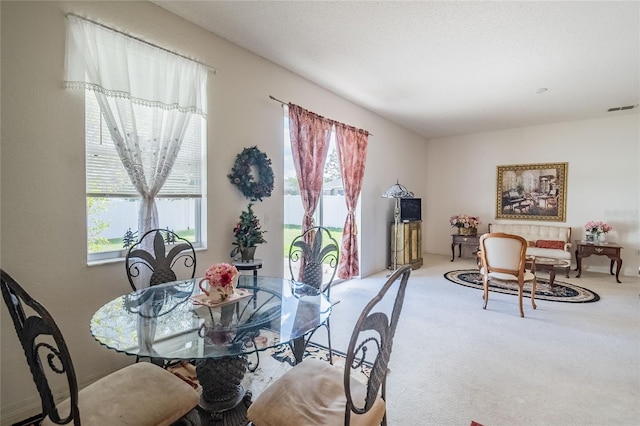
(532, 192)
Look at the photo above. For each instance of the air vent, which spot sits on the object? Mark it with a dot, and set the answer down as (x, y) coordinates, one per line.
(622, 108)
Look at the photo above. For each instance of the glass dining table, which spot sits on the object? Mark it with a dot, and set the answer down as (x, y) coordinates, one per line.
(169, 322)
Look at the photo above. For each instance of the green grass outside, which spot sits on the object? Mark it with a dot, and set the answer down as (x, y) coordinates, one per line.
(290, 232)
(115, 244)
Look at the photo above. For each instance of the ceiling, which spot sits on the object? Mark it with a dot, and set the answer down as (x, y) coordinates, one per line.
(446, 68)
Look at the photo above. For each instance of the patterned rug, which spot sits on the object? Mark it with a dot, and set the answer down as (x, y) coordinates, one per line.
(559, 292)
(284, 354)
(266, 373)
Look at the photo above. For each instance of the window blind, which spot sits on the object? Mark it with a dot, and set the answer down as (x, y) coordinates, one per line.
(107, 177)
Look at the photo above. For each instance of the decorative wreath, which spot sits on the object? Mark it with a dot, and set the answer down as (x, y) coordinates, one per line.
(242, 177)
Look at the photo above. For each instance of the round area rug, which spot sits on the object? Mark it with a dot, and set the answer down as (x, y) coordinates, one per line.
(559, 292)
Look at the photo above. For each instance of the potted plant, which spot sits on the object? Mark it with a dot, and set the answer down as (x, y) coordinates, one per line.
(248, 233)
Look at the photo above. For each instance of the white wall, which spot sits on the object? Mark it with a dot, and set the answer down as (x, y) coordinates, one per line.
(603, 180)
(43, 188)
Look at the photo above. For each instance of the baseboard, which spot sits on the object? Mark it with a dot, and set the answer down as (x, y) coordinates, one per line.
(17, 413)
(31, 421)
(604, 270)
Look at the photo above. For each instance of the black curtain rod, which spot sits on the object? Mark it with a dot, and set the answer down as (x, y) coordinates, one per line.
(333, 121)
(215, 71)
(278, 100)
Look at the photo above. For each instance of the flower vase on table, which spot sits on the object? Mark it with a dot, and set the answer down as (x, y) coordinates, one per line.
(467, 225)
(597, 231)
(222, 280)
(467, 231)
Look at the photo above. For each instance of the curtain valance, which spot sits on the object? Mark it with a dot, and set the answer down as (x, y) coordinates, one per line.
(104, 61)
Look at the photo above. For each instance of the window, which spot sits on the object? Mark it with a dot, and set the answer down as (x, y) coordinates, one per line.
(145, 110)
(112, 200)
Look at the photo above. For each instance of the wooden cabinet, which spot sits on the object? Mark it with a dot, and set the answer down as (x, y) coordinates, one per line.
(409, 244)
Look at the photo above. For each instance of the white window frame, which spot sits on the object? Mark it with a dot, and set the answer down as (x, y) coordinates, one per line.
(96, 131)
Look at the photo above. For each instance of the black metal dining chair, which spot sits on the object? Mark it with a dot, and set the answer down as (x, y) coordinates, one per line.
(313, 260)
(316, 393)
(120, 398)
(160, 256)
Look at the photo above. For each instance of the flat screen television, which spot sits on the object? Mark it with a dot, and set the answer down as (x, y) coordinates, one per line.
(410, 209)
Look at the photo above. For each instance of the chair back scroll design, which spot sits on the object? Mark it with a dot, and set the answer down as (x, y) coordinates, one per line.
(148, 263)
(314, 392)
(310, 252)
(374, 331)
(32, 332)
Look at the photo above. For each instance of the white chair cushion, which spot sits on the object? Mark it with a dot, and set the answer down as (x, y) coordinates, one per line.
(549, 253)
(528, 276)
(312, 394)
(138, 395)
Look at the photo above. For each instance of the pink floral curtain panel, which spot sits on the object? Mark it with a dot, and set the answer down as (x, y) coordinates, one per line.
(310, 135)
(352, 153)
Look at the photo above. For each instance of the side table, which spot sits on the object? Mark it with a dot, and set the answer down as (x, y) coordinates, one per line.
(463, 240)
(253, 265)
(611, 250)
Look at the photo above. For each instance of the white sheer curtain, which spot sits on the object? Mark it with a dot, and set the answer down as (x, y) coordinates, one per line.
(147, 97)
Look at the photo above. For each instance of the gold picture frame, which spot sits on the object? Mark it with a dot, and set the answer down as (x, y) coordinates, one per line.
(532, 192)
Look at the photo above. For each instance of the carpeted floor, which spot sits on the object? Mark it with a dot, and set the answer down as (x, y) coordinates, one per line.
(452, 361)
(558, 292)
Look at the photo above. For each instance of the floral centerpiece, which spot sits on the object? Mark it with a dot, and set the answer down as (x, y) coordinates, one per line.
(247, 232)
(596, 230)
(466, 224)
(222, 279)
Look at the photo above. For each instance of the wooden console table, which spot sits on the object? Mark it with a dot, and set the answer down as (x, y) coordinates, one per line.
(463, 240)
(611, 250)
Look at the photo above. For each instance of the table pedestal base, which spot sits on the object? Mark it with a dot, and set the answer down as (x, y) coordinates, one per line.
(222, 406)
(236, 416)
(223, 399)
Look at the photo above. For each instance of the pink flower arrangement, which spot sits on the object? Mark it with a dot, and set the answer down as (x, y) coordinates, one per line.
(222, 279)
(221, 275)
(464, 221)
(597, 227)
